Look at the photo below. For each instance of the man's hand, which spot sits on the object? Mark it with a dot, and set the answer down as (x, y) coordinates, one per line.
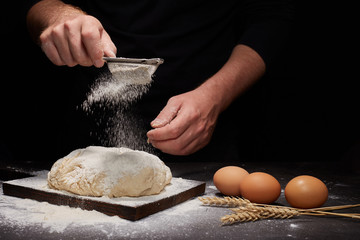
(81, 40)
(68, 36)
(186, 124)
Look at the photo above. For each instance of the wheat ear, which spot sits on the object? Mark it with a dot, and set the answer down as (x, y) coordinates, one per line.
(244, 210)
(253, 213)
(225, 201)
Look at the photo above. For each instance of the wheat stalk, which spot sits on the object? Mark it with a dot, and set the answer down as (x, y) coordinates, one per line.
(334, 207)
(350, 215)
(245, 211)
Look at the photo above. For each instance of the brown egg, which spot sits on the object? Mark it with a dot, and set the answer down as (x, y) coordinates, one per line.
(259, 187)
(227, 180)
(306, 192)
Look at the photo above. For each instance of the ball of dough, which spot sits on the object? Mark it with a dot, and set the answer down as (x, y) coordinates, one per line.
(112, 172)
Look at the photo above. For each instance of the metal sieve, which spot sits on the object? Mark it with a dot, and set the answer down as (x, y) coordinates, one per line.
(133, 70)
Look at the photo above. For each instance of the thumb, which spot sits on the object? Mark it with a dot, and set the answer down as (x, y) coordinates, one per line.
(108, 45)
(169, 112)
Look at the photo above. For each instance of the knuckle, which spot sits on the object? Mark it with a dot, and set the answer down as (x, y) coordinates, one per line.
(201, 127)
(173, 100)
(69, 29)
(194, 116)
(44, 43)
(68, 25)
(88, 34)
(114, 49)
(90, 19)
(57, 31)
(44, 37)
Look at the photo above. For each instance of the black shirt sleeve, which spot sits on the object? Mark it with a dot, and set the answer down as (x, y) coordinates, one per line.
(266, 26)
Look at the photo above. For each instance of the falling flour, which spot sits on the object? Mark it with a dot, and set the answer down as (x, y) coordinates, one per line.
(109, 104)
(125, 85)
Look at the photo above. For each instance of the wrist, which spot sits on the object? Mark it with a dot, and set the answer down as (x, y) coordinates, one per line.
(65, 12)
(214, 93)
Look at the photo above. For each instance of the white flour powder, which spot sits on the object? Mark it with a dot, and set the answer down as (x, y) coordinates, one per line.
(20, 215)
(112, 91)
(24, 212)
(109, 104)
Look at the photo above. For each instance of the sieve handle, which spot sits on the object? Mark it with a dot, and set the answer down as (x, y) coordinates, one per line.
(150, 61)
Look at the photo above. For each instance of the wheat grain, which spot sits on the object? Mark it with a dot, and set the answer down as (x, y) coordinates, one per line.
(225, 201)
(240, 217)
(253, 213)
(274, 212)
(245, 211)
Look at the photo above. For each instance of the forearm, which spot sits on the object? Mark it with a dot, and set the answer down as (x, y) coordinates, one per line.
(243, 68)
(48, 12)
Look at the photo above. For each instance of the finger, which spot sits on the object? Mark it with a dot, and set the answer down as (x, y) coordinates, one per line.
(168, 146)
(77, 49)
(108, 45)
(51, 52)
(173, 130)
(91, 38)
(167, 138)
(62, 46)
(179, 146)
(189, 142)
(167, 114)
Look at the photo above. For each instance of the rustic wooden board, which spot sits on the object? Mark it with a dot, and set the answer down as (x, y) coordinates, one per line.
(130, 208)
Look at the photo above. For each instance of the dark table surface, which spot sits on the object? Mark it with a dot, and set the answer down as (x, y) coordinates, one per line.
(191, 220)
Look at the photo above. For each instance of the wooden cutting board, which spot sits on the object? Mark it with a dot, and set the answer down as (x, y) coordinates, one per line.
(131, 208)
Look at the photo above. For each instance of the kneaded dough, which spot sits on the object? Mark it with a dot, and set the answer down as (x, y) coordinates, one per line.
(112, 172)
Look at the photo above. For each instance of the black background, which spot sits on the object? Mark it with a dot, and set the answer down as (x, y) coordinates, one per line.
(309, 110)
